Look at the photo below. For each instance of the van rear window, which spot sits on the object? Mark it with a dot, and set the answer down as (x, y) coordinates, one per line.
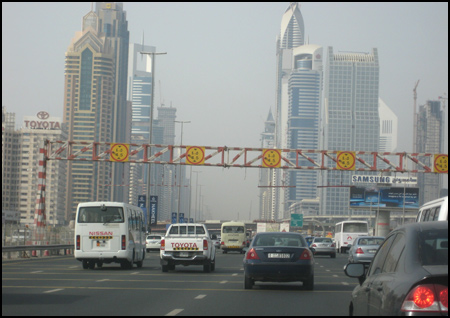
(100, 215)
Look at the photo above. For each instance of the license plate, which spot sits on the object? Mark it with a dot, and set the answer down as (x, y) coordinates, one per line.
(101, 244)
(372, 251)
(279, 255)
(184, 254)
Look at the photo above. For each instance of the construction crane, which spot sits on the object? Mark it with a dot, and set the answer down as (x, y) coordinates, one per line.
(415, 116)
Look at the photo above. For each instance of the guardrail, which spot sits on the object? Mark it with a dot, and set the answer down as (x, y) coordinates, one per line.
(42, 250)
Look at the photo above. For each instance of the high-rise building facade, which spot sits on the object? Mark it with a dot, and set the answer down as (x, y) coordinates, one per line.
(429, 140)
(113, 25)
(350, 119)
(10, 162)
(88, 110)
(292, 35)
(388, 128)
(33, 134)
(266, 202)
(303, 129)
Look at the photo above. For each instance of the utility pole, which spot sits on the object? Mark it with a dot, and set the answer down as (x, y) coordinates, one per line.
(415, 117)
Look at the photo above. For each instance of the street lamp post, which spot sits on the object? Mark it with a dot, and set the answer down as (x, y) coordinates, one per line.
(179, 170)
(151, 124)
(196, 191)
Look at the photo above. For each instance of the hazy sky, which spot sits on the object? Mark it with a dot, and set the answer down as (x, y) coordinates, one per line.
(219, 71)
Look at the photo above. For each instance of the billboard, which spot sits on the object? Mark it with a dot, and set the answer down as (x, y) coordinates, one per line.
(391, 198)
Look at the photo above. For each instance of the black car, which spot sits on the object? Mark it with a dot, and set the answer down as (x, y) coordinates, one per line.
(279, 257)
(408, 274)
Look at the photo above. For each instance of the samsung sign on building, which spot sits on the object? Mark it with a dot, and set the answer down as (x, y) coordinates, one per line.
(384, 179)
(42, 121)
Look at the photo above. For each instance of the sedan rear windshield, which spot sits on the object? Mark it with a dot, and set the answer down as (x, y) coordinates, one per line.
(279, 240)
(370, 241)
(433, 247)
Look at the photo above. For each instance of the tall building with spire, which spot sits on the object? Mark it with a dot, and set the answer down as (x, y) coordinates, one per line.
(266, 202)
(88, 110)
(292, 35)
(113, 25)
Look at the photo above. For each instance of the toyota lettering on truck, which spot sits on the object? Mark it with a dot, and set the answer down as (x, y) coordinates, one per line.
(109, 232)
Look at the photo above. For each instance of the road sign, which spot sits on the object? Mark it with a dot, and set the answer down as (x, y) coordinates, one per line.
(345, 160)
(297, 220)
(120, 152)
(195, 155)
(271, 158)
(440, 163)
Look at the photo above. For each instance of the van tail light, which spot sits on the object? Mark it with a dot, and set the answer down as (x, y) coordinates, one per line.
(251, 254)
(205, 245)
(163, 245)
(78, 242)
(124, 242)
(306, 255)
(359, 251)
(427, 298)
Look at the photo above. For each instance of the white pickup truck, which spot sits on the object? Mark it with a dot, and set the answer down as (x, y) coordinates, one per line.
(187, 244)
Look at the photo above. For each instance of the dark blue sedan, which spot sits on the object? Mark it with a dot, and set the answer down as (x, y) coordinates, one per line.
(279, 257)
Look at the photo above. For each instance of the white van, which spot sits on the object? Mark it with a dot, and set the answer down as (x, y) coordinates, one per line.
(436, 210)
(107, 232)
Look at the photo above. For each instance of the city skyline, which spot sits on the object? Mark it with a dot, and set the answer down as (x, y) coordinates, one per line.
(232, 78)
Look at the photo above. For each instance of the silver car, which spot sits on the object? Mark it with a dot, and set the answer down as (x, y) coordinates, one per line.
(363, 249)
(323, 246)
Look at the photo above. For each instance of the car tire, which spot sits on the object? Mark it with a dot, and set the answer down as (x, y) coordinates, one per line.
(248, 282)
(309, 284)
(333, 255)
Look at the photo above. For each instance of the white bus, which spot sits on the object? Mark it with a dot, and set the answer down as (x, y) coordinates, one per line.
(107, 232)
(233, 237)
(346, 231)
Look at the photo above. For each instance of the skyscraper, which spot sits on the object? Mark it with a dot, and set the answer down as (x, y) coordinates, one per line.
(429, 134)
(112, 23)
(350, 118)
(88, 109)
(291, 35)
(266, 202)
(303, 129)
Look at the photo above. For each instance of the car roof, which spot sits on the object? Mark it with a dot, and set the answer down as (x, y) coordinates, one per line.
(278, 233)
(423, 226)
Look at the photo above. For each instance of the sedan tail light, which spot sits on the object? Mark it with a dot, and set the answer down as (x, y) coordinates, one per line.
(427, 298)
(314, 245)
(251, 254)
(163, 245)
(306, 255)
(359, 251)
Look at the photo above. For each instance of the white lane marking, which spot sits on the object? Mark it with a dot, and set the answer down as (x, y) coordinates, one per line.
(327, 270)
(174, 312)
(36, 272)
(344, 283)
(241, 269)
(223, 282)
(234, 275)
(73, 267)
(200, 297)
(103, 280)
(335, 276)
(52, 291)
(134, 273)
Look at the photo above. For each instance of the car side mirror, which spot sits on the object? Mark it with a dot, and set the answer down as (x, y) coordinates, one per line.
(355, 270)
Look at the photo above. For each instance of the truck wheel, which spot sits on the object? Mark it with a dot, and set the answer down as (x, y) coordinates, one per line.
(171, 267)
(165, 268)
(207, 267)
(91, 264)
(85, 264)
(213, 265)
